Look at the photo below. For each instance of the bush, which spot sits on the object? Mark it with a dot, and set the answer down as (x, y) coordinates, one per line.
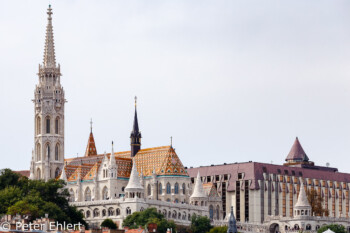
(333, 227)
(109, 224)
(222, 229)
(200, 224)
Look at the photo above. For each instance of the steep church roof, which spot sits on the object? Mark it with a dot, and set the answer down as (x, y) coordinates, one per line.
(91, 147)
(297, 152)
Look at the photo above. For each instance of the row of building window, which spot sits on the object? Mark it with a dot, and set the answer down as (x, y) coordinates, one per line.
(47, 125)
(168, 189)
(47, 152)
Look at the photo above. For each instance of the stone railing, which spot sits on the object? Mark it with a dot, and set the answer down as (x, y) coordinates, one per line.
(176, 205)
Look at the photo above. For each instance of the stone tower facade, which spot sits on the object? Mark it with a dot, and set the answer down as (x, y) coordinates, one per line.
(48, 157)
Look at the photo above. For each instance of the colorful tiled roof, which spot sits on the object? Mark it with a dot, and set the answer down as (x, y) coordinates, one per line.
(163, 160)
(210, 190)
(91, 147)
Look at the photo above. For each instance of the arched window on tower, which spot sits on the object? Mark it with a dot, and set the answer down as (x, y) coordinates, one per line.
(149, 190)
(38, 152)
(48, 151)
(38, 173)
(183, 188)
(105, 193)
(57, 124)
(48, 124)
(211, 212)
(160, 189)
(38, 125)
(57, 150)
(87, 194)
(168, 188)
(176, 188)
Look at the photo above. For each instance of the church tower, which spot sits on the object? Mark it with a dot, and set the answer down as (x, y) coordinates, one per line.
(49, 114)
(135, 135)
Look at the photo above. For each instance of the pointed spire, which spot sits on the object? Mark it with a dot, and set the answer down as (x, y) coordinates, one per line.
(63, 175)
(31, 175)
(134, 180)
(91, 147)
(135, 135)
(297, 153)
(302, 198)
(232, 227)
(112, 161)
(49, 52)
(198, 188)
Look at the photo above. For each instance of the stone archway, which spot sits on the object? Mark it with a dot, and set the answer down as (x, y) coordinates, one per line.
(274, 227)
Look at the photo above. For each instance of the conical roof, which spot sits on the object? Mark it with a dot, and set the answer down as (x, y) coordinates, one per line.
(63, 175)
(112, 161)
(302, 198)
(297, 152)
(134, 180)
(232, 227)
(91, 147)
(198, 188)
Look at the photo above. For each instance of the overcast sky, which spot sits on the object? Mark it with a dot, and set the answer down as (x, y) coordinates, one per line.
(231, 80)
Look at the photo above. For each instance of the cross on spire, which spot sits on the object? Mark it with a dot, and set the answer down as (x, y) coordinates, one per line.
(91, 125)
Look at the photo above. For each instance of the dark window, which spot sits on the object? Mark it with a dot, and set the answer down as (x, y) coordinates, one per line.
(264, 169)
(240, 176)
(208, 179)
(293, 173)
(217, 178)
(225, 177)
(48, 125)
(279, 171)
(286, 172)
(300, 174)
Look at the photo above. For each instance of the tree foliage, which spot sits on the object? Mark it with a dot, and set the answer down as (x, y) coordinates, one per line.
(109, 224)
(333, 227)
(222, 229)
(315, 199)
(35, 198)
(200, 224)
(147, 216)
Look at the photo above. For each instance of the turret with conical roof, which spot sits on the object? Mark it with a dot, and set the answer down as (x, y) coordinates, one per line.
(91, 146)
(297, 155)
(302, 207)
(232, 227)
(199, 197)
(134, 189)
(135, 135)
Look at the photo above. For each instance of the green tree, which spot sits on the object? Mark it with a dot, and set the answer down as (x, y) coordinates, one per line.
(36, 198)
(200, 224)
(222, 229)
(8, 178)
(147, 216)
(333, 227)
(109, 224)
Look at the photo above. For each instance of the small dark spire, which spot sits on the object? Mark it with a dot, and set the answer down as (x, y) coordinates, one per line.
(135, 135)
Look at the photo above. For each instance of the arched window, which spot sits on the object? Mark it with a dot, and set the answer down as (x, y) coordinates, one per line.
(57, 150)
(211, 212)
(183, 189)
(104, 213)
(48, 150)
(105, 193)
(38, 173)
(149, 191)
(57, 125)
(110, 212)
(57, 172)
(168, 188)
(160, 189)
(88, 214)
(48, 124)
(87, 194)
(128, 211)
(176, 200)
(38, 125)
(38, 152)
(176, 188)
(96, 213)
(308, 227)
(117, 211)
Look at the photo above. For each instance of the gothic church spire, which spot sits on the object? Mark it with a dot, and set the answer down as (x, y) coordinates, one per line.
(135, 135)
(49, 52)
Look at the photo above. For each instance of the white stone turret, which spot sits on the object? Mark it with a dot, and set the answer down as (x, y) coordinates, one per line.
(134, 189)
(302, 207)
(198, 197)
(63, 175)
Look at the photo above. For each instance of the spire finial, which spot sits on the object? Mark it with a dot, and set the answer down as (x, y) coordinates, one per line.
(171, 141)
(91, 125)
(135, 101)
(49, 52)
